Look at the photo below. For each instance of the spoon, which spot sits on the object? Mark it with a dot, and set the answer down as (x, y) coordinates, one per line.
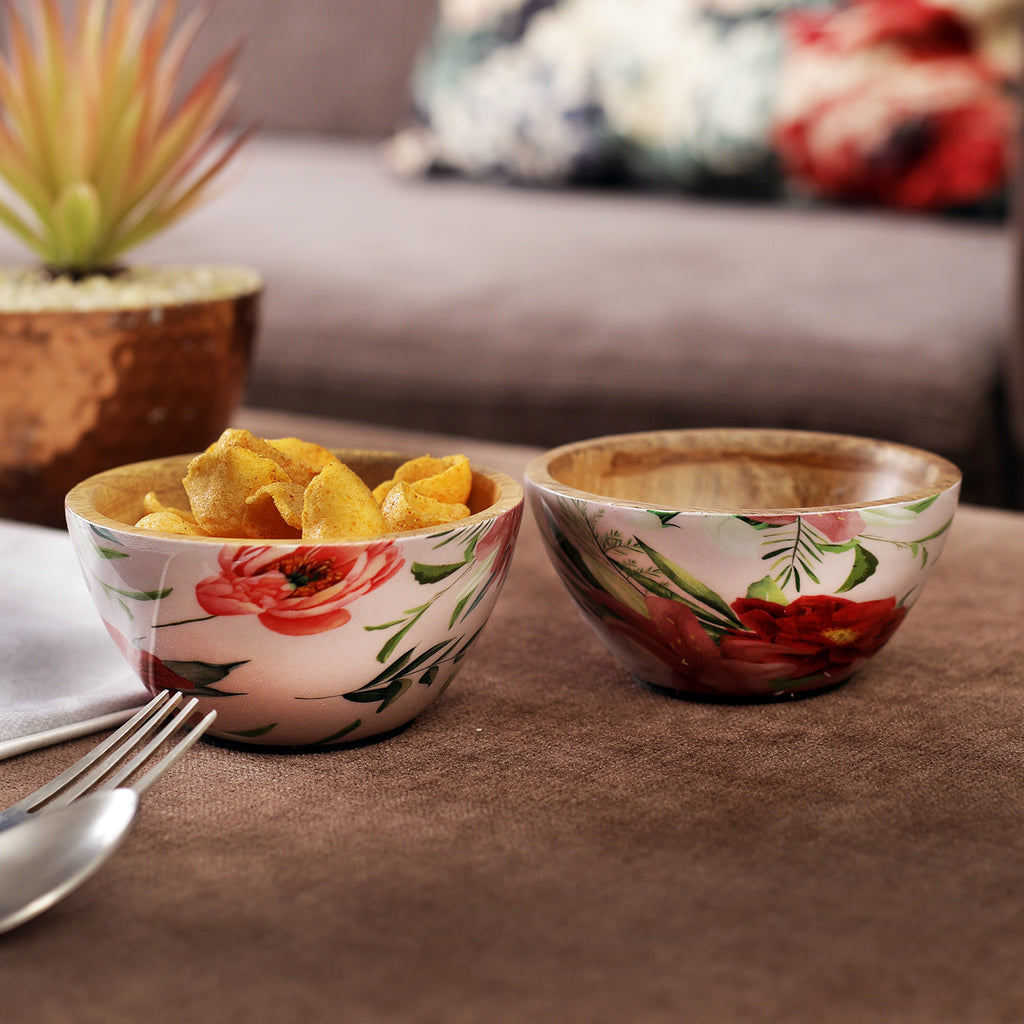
(52, 853)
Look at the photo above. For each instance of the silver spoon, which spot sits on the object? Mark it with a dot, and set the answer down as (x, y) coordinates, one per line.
(49, 855)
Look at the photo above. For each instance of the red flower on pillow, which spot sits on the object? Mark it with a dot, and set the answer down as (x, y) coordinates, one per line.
(811, 635)
(302, 592)
(886, 101)
(917, 26)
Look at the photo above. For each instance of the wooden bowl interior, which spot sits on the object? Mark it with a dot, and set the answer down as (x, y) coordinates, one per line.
(118, 494)
(750, 470)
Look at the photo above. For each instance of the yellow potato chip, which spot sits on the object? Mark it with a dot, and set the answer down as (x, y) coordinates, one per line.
(407, 509)
(284, 488)
(451, 484)
(274, 511)
(446, 479)
(339, 505)
(407, 472)
(235, 438)
(152, 503)
(219, 481)
(170, 521)
(416, 469)
(380, 492)
(312, 457)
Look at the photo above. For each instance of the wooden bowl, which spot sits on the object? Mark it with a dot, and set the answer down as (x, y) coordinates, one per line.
(743, 563)
(294, 644)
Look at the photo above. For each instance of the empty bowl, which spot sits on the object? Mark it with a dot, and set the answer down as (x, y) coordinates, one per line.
(742, 564)
(293, 644)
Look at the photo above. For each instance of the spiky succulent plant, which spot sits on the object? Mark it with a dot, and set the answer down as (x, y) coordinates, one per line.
(98, 149)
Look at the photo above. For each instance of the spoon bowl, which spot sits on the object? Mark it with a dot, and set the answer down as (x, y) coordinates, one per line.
(52, 853)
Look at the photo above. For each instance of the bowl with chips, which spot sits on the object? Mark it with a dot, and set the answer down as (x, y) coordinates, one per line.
(311, 597)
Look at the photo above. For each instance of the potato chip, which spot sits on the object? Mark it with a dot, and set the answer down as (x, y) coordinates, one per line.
(407, 509)
(274, 511)
(339, 505)
(417, 469)
(451, 485)
(408, 472)
(218, 482)
(312, 457)
(234, 438)
(380, 492)
(152, 503)
(170, 521)
(286, 488)
(448, 479)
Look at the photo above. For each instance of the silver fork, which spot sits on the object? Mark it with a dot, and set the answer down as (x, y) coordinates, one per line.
(55, 838)
(106, 766)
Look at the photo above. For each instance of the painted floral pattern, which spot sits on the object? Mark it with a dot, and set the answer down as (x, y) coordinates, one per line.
(361, 636)
(812, 635)
(836, 526)
(192, 677)
(811, 616)
(305, 591)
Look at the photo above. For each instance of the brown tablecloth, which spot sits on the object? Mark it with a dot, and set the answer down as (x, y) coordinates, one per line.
(553, 842)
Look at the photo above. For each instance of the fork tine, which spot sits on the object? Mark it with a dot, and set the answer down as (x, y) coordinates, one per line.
(172, 755)
(139, 720)
(143, 755)
(130, 742)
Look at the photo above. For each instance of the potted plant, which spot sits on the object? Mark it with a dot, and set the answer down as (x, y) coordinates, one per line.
(101, 148)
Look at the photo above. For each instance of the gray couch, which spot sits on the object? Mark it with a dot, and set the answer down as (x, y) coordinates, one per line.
(541, 316)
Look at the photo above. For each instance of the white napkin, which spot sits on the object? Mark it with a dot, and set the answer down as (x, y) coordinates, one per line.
(60, 674)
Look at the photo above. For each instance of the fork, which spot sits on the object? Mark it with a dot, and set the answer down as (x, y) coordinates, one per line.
(106, 766)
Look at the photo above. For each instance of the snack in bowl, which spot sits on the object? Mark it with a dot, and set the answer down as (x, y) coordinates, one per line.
(742, 564)
(248, 486)
(300, 641)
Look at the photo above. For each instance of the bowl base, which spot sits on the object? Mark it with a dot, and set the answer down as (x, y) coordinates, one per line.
(303, 748)
(781, 697)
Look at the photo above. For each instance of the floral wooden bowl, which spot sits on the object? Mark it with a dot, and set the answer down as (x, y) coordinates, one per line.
(294, 644)
(742, 564)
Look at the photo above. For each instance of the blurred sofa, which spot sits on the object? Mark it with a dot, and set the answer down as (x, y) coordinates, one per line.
(540, 315)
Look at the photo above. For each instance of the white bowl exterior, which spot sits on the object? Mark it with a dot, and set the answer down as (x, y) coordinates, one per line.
(644, 580)
(395, 626)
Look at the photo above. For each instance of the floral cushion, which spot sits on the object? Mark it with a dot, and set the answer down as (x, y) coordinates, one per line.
(898, 102)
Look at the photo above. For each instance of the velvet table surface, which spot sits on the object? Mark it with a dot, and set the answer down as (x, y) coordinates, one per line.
(553, 842)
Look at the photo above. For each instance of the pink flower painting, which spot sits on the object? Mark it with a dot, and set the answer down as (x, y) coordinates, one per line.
(302, 592)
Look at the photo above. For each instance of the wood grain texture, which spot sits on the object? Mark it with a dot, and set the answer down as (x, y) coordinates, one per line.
(749, 470)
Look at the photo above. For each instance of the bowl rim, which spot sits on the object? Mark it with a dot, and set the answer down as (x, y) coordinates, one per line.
(537, 472)
(79, 502)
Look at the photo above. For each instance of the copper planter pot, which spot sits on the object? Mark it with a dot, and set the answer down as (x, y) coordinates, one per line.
(81, 392)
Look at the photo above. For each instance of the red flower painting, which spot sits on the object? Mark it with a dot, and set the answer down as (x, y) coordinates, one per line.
(299, 593)
(674, 636)
(761, 608)
(816, 634)
(155, 675)
(811, 637)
